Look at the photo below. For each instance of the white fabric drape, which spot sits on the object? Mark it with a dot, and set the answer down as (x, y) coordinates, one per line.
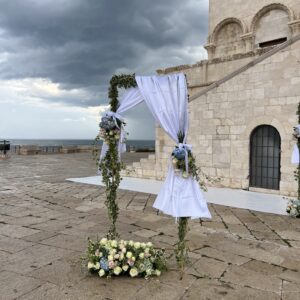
(166, 98)
(295, 155)
(131, 98)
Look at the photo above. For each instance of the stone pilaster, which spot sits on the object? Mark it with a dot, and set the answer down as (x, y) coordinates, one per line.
(210, 48)
(295, 27)
(248, 38)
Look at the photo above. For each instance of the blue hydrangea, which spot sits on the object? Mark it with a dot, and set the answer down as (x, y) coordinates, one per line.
(104, 264)
(179, 153)
(107, 123)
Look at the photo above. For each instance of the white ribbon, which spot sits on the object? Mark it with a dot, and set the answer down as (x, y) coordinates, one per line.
(115, 116)
(186, 147)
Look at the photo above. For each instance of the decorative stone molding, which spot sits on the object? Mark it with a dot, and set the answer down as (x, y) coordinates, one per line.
(249, 40)
(225, 22)
(295, 26)
(210, 48)
(265, 120)
(268, 8)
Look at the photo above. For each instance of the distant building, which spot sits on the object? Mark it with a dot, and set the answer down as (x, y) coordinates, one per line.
(243, 99)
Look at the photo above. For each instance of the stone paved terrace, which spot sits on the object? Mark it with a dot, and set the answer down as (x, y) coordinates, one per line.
(45, 222)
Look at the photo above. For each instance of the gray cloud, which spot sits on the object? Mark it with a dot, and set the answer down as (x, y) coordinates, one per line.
(81, 43)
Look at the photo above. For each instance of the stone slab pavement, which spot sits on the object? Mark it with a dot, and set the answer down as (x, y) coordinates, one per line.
(45, 222)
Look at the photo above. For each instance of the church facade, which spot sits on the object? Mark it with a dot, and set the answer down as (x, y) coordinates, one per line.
(243, 98)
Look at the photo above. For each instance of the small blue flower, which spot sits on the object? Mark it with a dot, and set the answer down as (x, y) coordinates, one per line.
(104, 264)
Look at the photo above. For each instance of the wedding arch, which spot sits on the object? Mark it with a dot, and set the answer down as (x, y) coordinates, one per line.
(167, 99)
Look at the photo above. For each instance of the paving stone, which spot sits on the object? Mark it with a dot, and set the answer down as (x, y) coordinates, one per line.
(61, 272)
(215, 290)
(208, 267)
(13, 285)
(264, 268)
(223, 256)
(291, 276)
(16, 231)
(67, 242)
(245, 277)
(13, 245)
(290, 291)
(35, 257)
(146, 233)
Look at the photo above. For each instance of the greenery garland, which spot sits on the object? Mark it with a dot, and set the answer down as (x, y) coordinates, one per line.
(110, 165)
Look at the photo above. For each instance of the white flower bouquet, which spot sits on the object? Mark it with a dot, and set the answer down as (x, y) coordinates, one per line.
(113, 258)
(293, 208)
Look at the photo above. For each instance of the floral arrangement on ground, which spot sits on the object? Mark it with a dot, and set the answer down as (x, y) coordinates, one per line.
(108, 258)
(293, 208)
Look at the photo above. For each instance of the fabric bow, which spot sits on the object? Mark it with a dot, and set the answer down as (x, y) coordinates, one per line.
(115, 116)
(186, 147)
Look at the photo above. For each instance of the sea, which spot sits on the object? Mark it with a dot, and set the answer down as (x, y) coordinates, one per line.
(150, 144)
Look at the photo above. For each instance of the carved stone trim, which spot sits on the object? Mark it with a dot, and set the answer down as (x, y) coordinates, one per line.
(225, 22)
(268, 8)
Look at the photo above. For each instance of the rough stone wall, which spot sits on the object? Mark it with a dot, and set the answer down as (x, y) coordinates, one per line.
(222, 120)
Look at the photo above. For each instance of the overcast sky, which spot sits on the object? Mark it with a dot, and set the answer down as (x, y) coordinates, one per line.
(57, 56)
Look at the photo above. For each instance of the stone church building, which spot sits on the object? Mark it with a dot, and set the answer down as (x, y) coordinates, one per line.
(243, 98)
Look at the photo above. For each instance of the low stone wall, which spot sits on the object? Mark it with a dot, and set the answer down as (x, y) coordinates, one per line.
(36, 150)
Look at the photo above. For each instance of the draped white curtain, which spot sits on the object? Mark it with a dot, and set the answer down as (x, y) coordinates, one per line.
(167, 99)
(295, 155)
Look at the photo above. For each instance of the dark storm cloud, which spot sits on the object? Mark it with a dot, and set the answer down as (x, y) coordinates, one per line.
(81, 43)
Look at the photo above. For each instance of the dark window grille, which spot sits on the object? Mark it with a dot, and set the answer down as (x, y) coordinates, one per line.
(265, 146)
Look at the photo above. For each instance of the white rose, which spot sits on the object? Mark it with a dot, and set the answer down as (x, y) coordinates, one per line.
(147, 250)
(130, 243)
(142, 255)
(129, 254)
(117, 270)
(133, 272)
(124, 250)
(117, 256)
(149, 244)
(101, 273)
(137, 245)
(103, 241)
(97, 266)
(157, 273)
(121, 256)
(90, 265)
(143, 245)
(125, 268)
(114, 243)
(133, 258)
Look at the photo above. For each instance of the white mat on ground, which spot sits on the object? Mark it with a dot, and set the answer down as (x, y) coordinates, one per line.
(268, 203)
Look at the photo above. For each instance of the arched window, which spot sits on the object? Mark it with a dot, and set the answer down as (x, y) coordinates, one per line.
(227, 37)
(265, 146)
(271, 27)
